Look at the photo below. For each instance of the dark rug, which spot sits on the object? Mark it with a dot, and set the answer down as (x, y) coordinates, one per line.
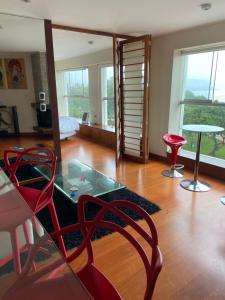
(67, 211)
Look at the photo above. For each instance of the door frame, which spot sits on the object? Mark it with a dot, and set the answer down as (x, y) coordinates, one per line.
(49, 26)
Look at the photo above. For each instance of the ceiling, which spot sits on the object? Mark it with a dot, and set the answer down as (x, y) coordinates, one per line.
(71, 44)
(143, 16)
(122, 16)
(20, 34)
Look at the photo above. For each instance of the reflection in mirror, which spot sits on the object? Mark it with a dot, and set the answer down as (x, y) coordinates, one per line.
(25, 114)
(85, 88)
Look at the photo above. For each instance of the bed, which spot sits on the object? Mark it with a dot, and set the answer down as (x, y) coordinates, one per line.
(68, 126)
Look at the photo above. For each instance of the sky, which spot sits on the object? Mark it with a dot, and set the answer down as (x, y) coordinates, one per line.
(206, 65)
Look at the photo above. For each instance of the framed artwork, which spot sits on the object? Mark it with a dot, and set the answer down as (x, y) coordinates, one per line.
(15, 73)
(2, 76)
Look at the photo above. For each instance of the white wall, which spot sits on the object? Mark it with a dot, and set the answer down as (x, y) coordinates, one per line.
(99, 57)
(21, 98)
(92, 61)
(161, 74)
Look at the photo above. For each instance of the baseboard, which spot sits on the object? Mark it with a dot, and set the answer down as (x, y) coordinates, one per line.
(24, 134)
(158, 157)
(204, 168)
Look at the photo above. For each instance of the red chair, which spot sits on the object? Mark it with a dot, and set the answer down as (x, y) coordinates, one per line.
(174, 142)
(96, 283)
(36, 199)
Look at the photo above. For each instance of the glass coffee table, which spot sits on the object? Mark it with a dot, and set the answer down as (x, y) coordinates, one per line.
(74, 178)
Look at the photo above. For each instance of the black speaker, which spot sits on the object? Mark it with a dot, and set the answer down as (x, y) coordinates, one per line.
(44, 118)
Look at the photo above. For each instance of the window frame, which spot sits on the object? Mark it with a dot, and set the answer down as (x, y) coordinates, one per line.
(68, 98)
(103, 98)
(179, 102)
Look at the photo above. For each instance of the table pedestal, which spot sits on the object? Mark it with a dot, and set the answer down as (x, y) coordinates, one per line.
(172, 173)
(195, 185)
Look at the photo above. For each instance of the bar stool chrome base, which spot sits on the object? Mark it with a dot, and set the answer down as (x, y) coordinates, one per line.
(222, 199)
(195, 185)
(172, 173)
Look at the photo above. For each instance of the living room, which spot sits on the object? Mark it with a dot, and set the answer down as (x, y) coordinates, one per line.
(189, 224)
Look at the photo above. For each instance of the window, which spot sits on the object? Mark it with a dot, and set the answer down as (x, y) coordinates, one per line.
(107, 92)
(204, 99)
(205, 76)
(76, 91)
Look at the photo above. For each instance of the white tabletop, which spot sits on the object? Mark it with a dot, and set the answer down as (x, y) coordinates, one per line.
(202, 128)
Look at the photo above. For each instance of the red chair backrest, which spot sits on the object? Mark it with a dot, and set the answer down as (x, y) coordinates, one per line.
(152, 266)
(35, 156)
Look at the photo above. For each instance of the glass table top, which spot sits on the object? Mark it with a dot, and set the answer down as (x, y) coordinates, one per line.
(74, 178)
(202, 128)
(34, 268)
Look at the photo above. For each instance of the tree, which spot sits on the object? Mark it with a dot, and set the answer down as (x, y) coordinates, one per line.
(204, 114)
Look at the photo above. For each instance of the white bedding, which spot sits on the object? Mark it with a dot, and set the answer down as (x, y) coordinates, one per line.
(68, 126)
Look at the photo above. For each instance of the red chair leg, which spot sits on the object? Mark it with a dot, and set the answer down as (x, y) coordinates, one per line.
(55, 222)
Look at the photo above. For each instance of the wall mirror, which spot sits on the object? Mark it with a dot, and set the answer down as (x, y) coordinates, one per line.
(25, 108)
(85, 88)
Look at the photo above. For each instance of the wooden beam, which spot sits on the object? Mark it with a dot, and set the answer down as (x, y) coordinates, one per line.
(116, 99)
(52, 87)
(91, 31)
(32, 180)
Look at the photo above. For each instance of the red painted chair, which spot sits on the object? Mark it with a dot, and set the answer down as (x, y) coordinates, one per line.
(36, 199)
(96, 283)
(175, 142)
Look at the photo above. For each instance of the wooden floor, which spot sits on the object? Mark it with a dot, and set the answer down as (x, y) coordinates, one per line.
(191, 229)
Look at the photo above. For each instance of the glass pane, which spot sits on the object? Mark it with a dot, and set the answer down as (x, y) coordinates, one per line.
(110, 113)
(85, 83)
(108, 95)
(81, 178)
(77, 106)
(110, 82)
(76, 83)
(219, 89)
(197, 83)
(212, 144)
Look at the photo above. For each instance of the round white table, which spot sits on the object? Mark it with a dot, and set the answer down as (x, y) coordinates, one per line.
(196, 185)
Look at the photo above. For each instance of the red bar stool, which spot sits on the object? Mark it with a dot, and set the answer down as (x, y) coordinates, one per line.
(174, 142)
